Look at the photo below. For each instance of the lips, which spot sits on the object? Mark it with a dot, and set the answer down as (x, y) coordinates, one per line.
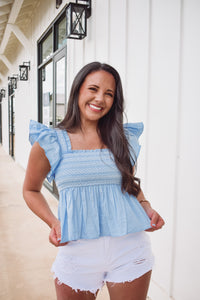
(94, 107)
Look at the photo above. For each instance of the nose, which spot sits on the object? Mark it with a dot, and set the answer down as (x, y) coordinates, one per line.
(99, 97)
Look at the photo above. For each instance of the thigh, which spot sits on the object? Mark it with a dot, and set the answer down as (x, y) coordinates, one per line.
(77, 267)
(65, 292)
(134, 290)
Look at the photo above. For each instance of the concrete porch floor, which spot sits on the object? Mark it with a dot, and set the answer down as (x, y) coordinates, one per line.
(26, 255)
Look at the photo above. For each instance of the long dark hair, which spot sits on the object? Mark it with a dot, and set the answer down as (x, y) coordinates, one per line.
(110, 126)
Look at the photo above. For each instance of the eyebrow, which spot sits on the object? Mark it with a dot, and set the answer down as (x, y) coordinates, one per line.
(108, 90)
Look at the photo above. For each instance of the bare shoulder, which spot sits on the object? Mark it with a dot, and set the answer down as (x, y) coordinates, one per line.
(37, 168)
(38, 158)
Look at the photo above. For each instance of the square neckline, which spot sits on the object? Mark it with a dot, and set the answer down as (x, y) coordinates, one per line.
(69, 145)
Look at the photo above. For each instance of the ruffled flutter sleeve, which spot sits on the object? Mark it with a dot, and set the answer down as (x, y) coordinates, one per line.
(133, 131)
(47, 139)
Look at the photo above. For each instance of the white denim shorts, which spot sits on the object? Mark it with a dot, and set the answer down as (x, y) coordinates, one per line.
(87, 264)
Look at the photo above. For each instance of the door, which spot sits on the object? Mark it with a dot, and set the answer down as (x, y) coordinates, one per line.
(11, 125)
(0, 123)
(59, 92)
(52, 77)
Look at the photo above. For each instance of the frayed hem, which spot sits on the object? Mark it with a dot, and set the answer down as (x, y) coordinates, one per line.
(76, 289)
(130, 279)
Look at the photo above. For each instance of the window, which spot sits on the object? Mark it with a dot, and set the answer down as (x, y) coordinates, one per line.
(61, 33)
(52, 77)
(47, 94)
(47, 47)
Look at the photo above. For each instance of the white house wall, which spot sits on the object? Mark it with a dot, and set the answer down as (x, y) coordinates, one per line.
(161, 129)
(155, 46)
(187, 248)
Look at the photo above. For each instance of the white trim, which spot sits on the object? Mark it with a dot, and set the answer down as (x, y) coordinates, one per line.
(15, 11)
(19, 35)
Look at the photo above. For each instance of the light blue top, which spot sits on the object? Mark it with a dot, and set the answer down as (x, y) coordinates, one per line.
(91, 203)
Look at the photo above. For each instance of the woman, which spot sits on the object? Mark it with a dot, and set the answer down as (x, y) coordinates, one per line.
(102, 213)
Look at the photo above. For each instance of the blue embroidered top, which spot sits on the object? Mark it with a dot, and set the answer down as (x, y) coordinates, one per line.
(91, 203)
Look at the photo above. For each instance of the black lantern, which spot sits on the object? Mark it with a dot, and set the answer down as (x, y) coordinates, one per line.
(13, 82)
(23, 71)
(76, 15)
(3, 93)
(58, 3)
(10, 89)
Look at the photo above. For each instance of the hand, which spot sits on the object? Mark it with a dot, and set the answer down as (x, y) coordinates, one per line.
(55, 235)
(156, 221)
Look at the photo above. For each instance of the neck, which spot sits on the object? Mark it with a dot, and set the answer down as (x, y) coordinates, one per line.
(87, 127)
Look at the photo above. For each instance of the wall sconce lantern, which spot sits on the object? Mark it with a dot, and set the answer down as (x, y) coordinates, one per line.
(76, 16)
(58, 3)
(3, 93)
(13, 82)
(23, 71)
(10, 89)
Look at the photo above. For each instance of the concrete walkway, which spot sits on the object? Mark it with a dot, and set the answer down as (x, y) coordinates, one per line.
(26, 255)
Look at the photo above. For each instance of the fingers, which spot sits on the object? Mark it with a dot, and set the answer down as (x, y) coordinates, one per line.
(63, 244)
(58, 233)
(53, 237)
(156, 222)
(55, 234)
(160, 223)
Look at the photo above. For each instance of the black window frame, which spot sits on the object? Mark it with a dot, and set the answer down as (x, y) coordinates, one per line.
(53, 28)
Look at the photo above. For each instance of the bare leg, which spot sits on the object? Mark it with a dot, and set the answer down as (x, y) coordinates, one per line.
(134, 290)
(65, 292)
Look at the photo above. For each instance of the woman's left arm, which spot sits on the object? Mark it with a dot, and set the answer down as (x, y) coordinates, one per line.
(156, 221)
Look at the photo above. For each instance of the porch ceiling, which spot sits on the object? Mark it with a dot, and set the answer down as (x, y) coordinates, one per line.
(15, 17)
(5, 9)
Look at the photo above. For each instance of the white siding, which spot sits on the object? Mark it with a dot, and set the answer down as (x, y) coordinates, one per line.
(155, 46)
(137, 72)
(162, 128)
(102, 30)
(186, 259)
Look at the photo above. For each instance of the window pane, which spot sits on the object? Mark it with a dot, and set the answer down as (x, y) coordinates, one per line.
(62, 33)
(60, 90)
(47, 95)
(47, 47)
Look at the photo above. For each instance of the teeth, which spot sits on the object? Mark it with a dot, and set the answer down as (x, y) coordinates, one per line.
(95, 107)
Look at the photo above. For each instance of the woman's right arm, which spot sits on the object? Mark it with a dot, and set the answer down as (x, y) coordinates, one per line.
(37, 170)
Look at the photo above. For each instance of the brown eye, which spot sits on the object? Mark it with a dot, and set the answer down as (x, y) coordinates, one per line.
(93, 89)
(109, 94)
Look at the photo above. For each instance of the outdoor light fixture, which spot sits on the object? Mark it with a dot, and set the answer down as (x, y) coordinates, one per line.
(23, 71)
(13, 81)
(3, 93)
(76, 15)
(10, 89)
(58, 3)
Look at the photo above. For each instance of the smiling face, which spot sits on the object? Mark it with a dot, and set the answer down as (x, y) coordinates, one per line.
(96, 96)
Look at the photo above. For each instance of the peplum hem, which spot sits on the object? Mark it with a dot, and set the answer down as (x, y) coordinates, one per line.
(101, 210)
